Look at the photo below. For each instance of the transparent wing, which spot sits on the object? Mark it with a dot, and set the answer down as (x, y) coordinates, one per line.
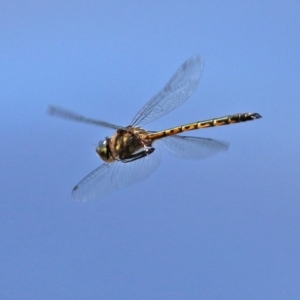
(189, 147)
(176, 91)
(69, 115)
(112, 176)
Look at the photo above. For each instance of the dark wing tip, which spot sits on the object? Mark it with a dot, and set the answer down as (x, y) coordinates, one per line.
(76, 197)
(51, 110)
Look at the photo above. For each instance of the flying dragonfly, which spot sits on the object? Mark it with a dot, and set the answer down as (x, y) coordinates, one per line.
(129, 155)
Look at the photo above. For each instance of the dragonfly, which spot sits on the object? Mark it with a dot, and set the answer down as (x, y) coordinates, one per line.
(131, 154)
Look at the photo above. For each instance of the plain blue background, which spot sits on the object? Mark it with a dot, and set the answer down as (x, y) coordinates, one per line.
(223, 228)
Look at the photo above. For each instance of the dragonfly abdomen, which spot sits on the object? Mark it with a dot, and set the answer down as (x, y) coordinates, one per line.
(230, 119)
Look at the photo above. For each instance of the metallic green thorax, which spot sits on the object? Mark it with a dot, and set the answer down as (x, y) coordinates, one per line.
(125, 145)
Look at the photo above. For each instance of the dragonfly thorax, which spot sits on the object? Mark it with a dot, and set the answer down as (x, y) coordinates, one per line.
(126, 144)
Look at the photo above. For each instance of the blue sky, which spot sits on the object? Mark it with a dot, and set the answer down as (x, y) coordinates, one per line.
(222, 228)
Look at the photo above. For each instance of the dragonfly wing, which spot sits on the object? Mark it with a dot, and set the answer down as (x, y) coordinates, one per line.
(69, 115)
(176, 91)
(189, 147)
(112, 176)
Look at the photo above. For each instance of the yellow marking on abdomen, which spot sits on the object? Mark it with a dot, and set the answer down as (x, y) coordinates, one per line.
(231, 119)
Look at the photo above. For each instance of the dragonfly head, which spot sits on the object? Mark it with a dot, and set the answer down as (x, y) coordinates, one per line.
(103, 150)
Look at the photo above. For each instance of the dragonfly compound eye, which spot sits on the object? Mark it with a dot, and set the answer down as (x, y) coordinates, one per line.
(102, 150)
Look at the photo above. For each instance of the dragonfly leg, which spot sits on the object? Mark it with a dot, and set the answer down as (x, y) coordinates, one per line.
(138, 155)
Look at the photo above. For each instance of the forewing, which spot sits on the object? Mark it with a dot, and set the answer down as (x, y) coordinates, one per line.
(69, 115)
(112, 176)
(176, 91)
(189, 147)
